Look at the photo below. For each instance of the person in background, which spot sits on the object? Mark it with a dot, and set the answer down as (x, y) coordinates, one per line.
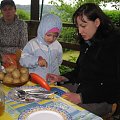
(13, 31)
(43, 54)
(96, 77)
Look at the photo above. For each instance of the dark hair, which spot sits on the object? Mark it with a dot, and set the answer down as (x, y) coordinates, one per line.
(7, 2)
(92, 12)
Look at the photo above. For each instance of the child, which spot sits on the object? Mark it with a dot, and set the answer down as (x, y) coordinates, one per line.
(43, 54)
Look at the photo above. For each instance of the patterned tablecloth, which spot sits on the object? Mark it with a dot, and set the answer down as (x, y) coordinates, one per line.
(13, 109)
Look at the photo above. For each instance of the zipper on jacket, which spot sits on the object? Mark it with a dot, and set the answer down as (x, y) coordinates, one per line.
(86, 50)
(49, 64)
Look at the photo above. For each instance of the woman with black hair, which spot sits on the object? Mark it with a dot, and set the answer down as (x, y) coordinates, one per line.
(97, 72)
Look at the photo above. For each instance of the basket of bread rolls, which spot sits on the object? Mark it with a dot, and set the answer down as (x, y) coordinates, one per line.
(13, 77)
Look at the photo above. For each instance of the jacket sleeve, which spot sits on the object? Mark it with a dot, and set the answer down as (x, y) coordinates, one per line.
(28, 59)
(23, 35)
(99, 93)
(60, 54)
(92, 94)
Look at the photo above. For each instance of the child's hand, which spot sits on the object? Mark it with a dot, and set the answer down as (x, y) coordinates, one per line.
(54, 78)
(42, 62)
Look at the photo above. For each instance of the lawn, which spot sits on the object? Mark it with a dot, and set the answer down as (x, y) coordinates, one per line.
(71, 55)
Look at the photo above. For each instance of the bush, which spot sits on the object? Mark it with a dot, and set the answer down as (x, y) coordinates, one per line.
(23, 14)
(114, 15)
(64, 69)
(68, 34)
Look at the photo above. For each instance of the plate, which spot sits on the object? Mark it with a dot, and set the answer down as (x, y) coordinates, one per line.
(45, 113)
(14, 96)
(38, 79)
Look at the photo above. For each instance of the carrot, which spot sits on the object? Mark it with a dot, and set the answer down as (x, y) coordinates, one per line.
(38, 79)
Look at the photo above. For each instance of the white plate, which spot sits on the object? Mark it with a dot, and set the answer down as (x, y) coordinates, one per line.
(45, 113)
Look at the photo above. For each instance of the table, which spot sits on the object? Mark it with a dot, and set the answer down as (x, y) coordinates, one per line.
(13, 109)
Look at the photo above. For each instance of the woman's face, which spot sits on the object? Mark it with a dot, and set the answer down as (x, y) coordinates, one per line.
(50, 37)
(8, 12)
(87, 28)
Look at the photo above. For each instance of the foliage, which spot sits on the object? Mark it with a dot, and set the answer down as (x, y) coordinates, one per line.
(68, 34)
(114, 3)
(114, 16)
(71, 55)
(64, 69)
(72, 59)
(23, 15)
(67, 9)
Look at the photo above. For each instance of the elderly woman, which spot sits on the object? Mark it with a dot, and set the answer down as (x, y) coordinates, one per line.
(13, 32)
(97, 72)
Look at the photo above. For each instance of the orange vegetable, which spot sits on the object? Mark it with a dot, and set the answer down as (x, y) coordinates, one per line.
(38, 79)
(9, 59)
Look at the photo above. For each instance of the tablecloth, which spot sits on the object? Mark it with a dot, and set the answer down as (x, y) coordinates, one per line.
(13, 109)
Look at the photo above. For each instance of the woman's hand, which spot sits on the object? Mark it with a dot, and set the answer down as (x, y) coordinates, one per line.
(42, 62)
(54, 78)
(73, 97)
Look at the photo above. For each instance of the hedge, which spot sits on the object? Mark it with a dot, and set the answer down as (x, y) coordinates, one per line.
(114, 15)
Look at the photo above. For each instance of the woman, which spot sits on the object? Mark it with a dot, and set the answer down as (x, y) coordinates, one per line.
(97, 72)
(13, 32)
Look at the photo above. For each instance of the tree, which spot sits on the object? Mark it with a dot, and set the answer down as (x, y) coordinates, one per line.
(23, 14)
(67, 9)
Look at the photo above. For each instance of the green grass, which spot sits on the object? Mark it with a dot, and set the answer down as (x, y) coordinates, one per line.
(71, 55)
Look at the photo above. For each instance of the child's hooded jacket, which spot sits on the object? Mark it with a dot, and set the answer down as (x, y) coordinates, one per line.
(36, 47)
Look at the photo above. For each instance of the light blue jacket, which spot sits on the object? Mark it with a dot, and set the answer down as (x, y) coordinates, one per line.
(36, 47)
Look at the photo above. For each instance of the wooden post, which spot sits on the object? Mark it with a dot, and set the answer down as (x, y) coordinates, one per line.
(34, 10)
(41, 9)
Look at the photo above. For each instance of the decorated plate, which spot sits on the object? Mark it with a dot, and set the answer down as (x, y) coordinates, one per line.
(13, 94)
(45, 113)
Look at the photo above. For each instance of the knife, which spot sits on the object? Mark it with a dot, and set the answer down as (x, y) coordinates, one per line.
(39, 94)
(35, 92)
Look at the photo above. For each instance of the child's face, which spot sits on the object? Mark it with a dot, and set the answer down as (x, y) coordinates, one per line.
(50, 37)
